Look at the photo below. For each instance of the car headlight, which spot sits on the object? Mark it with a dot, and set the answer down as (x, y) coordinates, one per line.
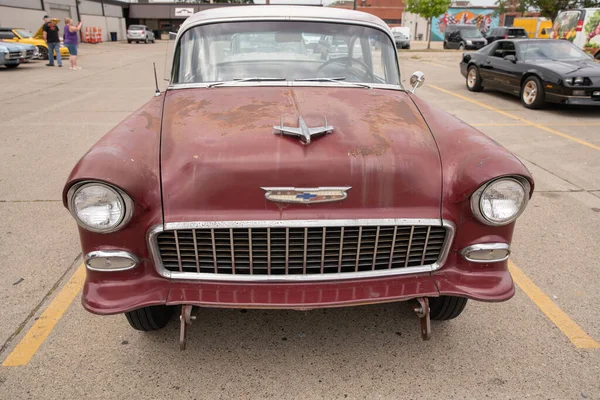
(578, 81)
(501, 201)
(99, 207)
(469, 42)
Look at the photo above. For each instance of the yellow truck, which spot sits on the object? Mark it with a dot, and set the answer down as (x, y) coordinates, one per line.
(536, 27)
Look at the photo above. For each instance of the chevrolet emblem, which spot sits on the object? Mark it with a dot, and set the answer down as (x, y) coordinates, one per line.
(306, 195)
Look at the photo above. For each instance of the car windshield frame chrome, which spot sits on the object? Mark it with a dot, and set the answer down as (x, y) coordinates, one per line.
(179, 86)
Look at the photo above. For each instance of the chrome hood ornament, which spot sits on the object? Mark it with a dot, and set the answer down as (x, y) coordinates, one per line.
(306, 195)
(303, 132)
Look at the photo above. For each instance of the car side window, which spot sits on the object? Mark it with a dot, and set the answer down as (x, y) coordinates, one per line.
(7, 35)
(504, 49)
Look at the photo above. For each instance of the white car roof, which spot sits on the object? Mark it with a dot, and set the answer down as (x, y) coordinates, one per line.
(283, 12)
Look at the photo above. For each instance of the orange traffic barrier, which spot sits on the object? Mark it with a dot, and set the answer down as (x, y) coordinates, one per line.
(99, 38)
(87, 34)
(93, 35)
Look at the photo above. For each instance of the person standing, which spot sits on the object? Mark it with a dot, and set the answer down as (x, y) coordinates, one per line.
(53, 42)
(72, 41)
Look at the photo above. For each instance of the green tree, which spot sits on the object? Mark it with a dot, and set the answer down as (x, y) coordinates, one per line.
(547, 8)
(428, 9)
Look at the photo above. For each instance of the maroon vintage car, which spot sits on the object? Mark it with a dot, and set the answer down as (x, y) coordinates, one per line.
(287, 167)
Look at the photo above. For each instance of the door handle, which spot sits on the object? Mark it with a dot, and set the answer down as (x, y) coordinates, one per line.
(488, 62)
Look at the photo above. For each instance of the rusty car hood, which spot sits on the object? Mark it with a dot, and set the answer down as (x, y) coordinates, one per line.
(218, 149)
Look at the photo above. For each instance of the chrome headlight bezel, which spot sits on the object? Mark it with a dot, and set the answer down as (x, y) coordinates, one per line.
(476, 200)
(125, 200)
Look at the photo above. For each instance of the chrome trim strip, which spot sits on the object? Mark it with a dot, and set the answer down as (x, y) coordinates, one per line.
(412, 230)
(196, 250)
(304, 223)
(110, 253)
(341, 250)
(485, 246)
(393, 245)
(214, 250)
(375, 248)
(287, 250)
(231, 247)
(305, 247)
(323, 249)
(153, 246)
(178, 251)
(358, 248)
(206, 85)
(269, 251)
(250, 252)
(425, 245)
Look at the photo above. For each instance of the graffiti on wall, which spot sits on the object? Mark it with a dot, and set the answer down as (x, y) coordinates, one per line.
(482, 18)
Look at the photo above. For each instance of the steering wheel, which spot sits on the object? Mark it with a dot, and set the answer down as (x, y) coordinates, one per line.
(340, 60)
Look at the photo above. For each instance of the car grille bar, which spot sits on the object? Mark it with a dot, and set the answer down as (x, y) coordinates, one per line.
(299, 250)
(14, 55)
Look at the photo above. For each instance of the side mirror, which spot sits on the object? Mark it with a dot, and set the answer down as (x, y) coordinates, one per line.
(511, 58)
(543, 32)
(417, 80)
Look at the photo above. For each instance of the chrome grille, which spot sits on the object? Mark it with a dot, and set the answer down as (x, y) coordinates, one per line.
(309, 251)
(14, 55)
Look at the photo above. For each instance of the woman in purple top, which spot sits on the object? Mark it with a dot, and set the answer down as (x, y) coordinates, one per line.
(71, 41)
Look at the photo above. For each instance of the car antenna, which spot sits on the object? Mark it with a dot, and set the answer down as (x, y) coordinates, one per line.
(157, 92)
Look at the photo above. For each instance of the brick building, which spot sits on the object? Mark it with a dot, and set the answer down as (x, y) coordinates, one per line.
(388, 10)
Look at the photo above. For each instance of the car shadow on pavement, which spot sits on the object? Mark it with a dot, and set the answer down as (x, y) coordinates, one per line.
(315, 332)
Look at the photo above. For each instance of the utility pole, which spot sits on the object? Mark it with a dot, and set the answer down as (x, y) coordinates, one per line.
(354, 4)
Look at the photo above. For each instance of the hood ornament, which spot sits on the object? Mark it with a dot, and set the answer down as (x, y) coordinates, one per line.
(306, 195)
(303, 132)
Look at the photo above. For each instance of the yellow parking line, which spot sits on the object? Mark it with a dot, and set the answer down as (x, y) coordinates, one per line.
(40, 330)
(554, 124)
(571, 330)
(511, 116)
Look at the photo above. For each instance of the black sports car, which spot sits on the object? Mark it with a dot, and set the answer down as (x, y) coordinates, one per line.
(537, 70)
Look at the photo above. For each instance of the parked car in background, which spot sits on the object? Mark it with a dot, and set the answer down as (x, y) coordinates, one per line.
(405, 30)
(537, 70)
(331, 46)
(463, 37)
(23, 36)
(504, 32)
(401, 41)
(275, 179)
(11, 56)
(536, 27)
(140, 33)
(581, 27)
(30, 52)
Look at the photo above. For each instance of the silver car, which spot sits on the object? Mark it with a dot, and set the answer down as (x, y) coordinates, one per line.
(12, 54)
(140, 33)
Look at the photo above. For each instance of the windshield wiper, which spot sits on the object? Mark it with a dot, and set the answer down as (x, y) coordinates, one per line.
(337, 79)
(253, 79)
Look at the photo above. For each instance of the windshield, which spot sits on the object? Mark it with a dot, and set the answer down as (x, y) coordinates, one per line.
(136, 28)
(284, 50)
(470, 33)
(557, 50)
(398, 35)
(517, 32)
(23, 33)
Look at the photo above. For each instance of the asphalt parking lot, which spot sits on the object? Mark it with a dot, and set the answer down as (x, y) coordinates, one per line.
(542, 344)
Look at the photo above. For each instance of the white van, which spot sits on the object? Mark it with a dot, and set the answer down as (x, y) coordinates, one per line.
(581, 27)
(405, 30)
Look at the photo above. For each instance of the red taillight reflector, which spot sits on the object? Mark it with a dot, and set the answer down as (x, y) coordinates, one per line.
(579, 26)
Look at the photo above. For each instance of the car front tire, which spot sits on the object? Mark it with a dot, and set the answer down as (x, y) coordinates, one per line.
(532, 93)
(461, 46)
(43, 52)
(474, 83)
(11, 66)
(445, 45)
(129, 41)
(150, 318)
(444, 308)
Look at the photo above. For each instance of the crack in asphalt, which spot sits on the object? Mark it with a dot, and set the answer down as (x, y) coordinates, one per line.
(57, 284)
(551, 173)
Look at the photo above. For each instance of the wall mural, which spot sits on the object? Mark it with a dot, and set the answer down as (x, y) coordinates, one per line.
(482, 18)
